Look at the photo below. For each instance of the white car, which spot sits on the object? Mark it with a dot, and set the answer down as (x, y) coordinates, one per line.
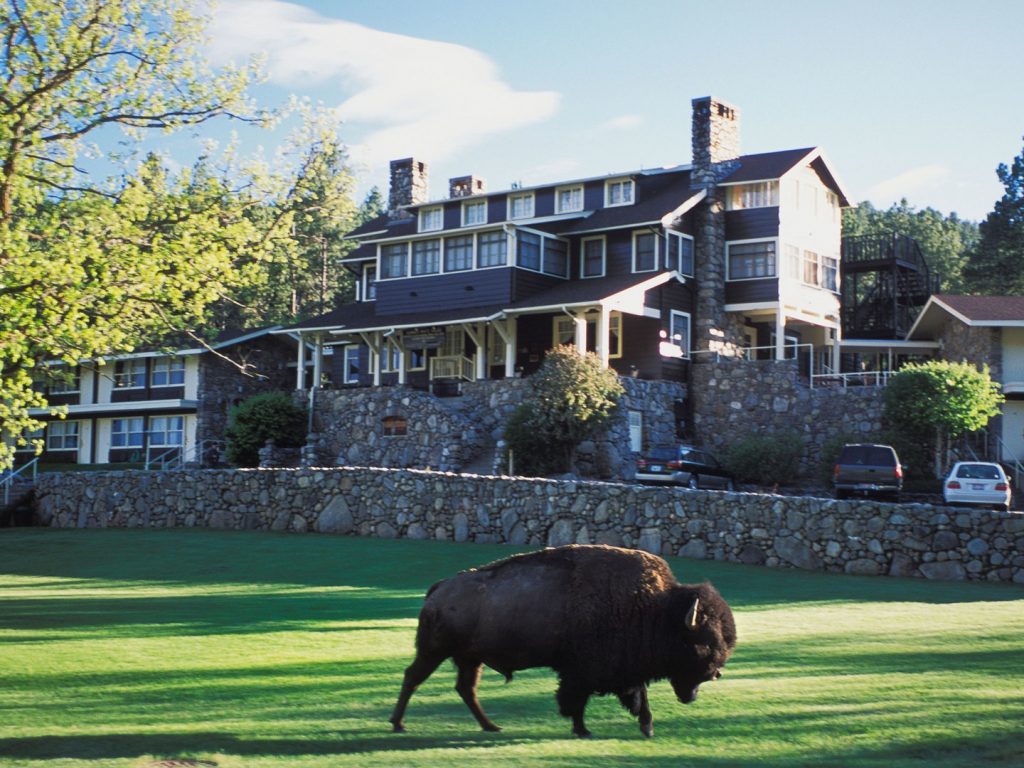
(976, 482)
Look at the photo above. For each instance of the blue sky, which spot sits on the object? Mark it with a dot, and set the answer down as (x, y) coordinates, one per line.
(909, 99)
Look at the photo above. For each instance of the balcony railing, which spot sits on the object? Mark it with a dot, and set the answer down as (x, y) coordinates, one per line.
(451, 367)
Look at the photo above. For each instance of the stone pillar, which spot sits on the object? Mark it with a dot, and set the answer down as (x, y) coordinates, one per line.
(465, 186)
(715, 140)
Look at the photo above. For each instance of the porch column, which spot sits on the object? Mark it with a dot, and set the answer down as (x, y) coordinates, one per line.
(506, 330)
(479, 338)
(373, 342)
(603, 334)
(300, 372)
(318, 361)
(581, 333)
(780, 335)
(396, 340)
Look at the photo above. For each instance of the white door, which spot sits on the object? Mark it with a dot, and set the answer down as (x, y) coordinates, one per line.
(636, 431)
(1013, 430)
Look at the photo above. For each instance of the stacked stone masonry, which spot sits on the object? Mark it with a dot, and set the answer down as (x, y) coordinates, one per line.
(855, 537)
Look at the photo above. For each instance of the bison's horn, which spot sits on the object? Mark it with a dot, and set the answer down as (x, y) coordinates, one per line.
(691, 617)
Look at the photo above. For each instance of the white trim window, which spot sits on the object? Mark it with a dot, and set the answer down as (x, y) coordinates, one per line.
(127, 433)
(458, 253)
(350, 364)
(645, 251)
(679, 330)
(679, 253)
(417, 359)
(592, 256)
(426, 257)
(64, 380)
(394, 260)
(370, 282)
(759, 194)
(167, 431)
(62, 436)
(431, 219)
(492, 249)
(569, 199)
(168, 372)
(751, 261)
(130, 374)
(521, 206)
(474, 212)
(618, 192)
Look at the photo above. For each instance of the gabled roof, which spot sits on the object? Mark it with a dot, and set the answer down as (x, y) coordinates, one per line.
(775, 165)
(975, 311)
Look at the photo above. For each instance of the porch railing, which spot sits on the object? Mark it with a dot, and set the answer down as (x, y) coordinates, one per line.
(28, 470)
(451, 367)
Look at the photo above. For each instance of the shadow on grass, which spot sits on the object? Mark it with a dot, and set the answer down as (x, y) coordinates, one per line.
(203, 556)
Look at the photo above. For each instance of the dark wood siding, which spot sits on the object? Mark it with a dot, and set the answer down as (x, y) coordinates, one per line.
(593, 195)
(754, 223)
(619, 252)
(526, 284)
(497, 209)
(544, 202)
(452, 216)
(458, 289)
(639, 347)
(750, 291)
(671, 295)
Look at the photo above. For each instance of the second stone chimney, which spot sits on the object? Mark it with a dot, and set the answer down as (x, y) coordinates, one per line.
(408, 184)
(464, 186)
(715, 140)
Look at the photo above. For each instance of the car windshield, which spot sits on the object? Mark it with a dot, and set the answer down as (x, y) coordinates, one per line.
(979, 472)
(867, 455)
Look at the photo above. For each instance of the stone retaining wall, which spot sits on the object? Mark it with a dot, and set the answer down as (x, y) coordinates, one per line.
(858, 537)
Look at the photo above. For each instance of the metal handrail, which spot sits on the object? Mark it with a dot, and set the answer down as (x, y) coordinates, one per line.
(1014, 463)
(7, 481)
(178, 450)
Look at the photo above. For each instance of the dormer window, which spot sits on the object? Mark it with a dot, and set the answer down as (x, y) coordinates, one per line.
(474, 212)
(431, 219)
(618, 192)
(520, 206)
(569, 199)
(760, 194)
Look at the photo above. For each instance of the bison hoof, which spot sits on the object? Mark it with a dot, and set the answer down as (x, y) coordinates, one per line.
(491, 727)
(647, 730)
(397, 728)
(584, 734)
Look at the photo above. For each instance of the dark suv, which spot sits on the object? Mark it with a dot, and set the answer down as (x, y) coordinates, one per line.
(866, 469)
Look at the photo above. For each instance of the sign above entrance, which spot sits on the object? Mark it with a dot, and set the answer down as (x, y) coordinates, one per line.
(423, 340)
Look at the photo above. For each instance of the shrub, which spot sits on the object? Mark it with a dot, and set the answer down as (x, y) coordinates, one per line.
(532, 454)
(765, 459)
(270, 416)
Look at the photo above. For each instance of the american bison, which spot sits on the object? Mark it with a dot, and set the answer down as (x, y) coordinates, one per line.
(607, 620)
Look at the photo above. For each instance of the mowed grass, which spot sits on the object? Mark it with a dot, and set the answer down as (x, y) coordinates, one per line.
(123, 648)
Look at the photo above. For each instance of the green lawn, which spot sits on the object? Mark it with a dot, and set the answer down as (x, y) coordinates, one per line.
(120, 648)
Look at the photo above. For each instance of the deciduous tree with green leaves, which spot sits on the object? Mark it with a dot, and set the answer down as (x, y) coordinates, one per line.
(939, 401)
(996, 264)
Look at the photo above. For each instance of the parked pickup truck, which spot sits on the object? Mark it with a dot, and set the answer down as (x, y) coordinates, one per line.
(866, 469)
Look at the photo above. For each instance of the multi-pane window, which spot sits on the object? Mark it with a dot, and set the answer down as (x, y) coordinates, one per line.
(760, 194)
(618, 192)
(431, 219)
(645, 252)
(491, 249)
(474, 212)
(679, 331)
(520, 206)
(394, 426)
(369, 283)
(830, 273)
(130, 374)
(64, 380)
(528, 251)
(426, 257)
(417, 359)
(592, 257)
(556, 257)
(791, 262)
(127, 433)
(752, 260)
(62, 436)
(394, 260)
(679, 253)
(166, 431)
(351, 364)
(810, 268)
(458, 253)
(168, 372)
(569, 199)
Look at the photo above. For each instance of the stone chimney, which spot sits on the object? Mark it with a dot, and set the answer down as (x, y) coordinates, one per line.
(408, 185)
(716, 140)
(464, 186)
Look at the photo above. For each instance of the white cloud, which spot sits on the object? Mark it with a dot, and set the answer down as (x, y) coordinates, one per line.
(623, 123)
(905, 184)
(407, 96)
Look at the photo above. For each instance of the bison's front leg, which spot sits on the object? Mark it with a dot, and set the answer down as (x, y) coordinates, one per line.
(572, 701)
(469, 677)
(635, 702)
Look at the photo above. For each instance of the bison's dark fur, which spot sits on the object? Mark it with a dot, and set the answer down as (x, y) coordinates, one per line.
(607, 620)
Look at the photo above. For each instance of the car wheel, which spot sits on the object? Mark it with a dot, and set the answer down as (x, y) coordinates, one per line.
(694, 483)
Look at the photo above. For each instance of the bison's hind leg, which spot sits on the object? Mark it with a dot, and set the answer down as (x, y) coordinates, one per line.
(468, 678)
(422, 667)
